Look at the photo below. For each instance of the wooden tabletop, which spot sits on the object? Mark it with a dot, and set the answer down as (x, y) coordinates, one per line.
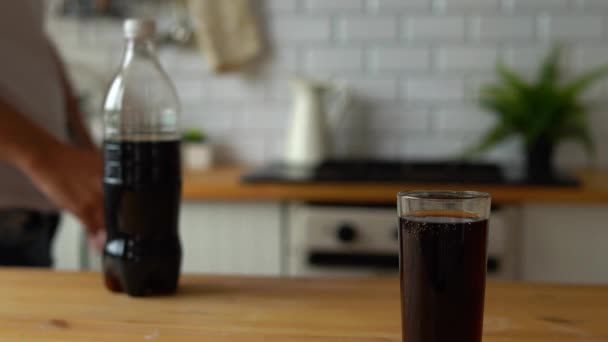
(223, 183)
(52, 306)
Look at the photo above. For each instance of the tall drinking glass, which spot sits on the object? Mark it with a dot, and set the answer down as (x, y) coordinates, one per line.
(443, 239)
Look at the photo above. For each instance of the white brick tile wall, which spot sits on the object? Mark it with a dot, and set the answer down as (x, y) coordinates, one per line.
(385, 147)
(234, 89)
(281, 5)
(415, 67)
(431, 147)
(390, 6)
(435, 28)
(592, 4)
(367, 28)
(333, 5)
(596, 93)
(292, 28)
(463, 119)
(525, 58)
(469, 5)
(334, 59)
(267, 118)
(591, 57)
(466, 58)
(284, 59)
(374, 89)
(589, 26)
(399, 119)
(474, 84)
(434, 89)
(190, 91)
(503, 28)
(399, 59)
(214, 119)
(527, 5)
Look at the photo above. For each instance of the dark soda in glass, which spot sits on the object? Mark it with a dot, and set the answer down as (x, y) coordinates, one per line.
(442, 270)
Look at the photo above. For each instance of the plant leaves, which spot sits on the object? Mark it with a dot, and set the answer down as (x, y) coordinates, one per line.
(511, 79)
(576, 87)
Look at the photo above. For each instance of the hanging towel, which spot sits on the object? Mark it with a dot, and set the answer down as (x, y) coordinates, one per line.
(226, 32)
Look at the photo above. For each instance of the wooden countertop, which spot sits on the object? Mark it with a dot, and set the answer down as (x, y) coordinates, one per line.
(53, 306)
(223, 183)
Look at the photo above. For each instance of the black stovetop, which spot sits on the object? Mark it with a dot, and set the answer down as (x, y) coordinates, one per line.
(444, 172)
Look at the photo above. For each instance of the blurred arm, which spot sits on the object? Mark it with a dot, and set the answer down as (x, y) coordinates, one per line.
(80, 135)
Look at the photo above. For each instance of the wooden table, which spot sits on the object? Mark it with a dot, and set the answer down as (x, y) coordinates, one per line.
(223, 183)
(49, 306)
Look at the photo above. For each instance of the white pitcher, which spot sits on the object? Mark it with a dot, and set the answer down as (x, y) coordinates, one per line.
(308, 139)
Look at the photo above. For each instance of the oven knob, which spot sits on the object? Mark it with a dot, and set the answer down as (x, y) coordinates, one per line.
(346, 233)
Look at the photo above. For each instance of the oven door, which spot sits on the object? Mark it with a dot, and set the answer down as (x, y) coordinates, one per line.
(342, 240)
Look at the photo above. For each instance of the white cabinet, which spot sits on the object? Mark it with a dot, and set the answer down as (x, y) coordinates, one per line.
(565, 243)
(67, 244)
(229, 237)
(226, 237)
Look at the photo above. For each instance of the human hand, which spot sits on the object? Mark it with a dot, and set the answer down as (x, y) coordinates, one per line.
(71, 177)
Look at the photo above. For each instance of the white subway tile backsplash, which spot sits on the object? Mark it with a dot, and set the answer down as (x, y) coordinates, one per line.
(598, 119)
(591, 57)
(469, 5)
(284, 59)
(415, 67)
(250, 150)
(281, 5)
(592, 4)
(434, 89)
(398, 119)
(503, 28)
(474, 85)
(235, 89)
(391, 6)
(374, 89)
(536, 4)
(384, 147)
(189, 91)
(464, 119)
(525, 57)
(179, 64)
(334, 59)
(334, 5)
(399, 59)
(467, 58)
(429, 146)
(216, 121)
(367, 28)
(584, 26)
(291, 28)
(267, 118)
(437, 28)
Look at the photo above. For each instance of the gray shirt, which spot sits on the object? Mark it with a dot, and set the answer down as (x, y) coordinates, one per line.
(30, 82)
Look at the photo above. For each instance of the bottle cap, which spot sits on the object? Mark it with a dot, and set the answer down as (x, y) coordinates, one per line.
(139, 28)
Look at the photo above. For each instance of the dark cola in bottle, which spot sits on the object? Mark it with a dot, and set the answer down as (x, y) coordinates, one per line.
(142, 172)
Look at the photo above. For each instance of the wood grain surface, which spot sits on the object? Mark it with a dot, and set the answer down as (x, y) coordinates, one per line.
(53, 306)
(223, 183)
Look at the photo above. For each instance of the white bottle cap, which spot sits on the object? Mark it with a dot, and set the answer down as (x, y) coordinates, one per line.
(139, 28)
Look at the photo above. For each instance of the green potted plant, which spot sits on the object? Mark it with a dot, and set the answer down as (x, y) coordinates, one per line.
(197, 153)
(543, 113)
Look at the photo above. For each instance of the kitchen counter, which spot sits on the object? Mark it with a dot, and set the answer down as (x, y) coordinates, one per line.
(223, 183)
(46, 305)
